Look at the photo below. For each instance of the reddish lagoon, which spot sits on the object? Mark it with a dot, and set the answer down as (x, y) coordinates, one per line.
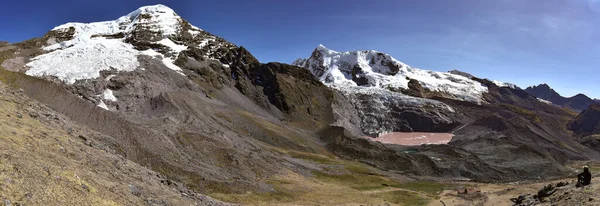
(413, 138)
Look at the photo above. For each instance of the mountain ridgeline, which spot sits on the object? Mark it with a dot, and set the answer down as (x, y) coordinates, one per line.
(578, 102)
(208, 118)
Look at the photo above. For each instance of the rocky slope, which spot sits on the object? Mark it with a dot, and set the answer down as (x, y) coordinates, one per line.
(587, 122)
(553, 192)
(578, 102)
(49, 159)
(562, 192)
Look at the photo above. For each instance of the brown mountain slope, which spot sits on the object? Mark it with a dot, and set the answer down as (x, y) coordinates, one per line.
(47, 159)
(587, 122)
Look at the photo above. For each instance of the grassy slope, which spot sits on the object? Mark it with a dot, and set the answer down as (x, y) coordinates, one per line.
(340, 182)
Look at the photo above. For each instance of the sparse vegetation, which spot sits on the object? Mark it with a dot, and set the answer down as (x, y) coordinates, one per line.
(522, 111)
(330, 189)
(356, 181)
(322, 159)
(280, 136)
(430, 188)
(357, 167)
(403, 197)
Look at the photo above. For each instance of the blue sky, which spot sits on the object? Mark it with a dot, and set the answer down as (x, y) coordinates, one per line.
(525, 42)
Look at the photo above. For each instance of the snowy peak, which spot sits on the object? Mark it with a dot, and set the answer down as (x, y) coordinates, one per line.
(158, 18)
(152, 10)
(323, 60)
(374, 69)
(506, 84)
(78, 51)
(321, 47)
(161, 20)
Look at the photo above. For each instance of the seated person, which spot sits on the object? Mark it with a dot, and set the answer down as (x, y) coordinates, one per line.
(584, 178)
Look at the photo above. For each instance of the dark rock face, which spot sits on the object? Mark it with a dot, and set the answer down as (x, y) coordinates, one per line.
(57, 36)
(414, 89)
(587, 122)
(359, 77)
(320, 69)
(461, 73)
(290, 89)
(387, 111)
(294, 91)
(578, 102)
(394, 69)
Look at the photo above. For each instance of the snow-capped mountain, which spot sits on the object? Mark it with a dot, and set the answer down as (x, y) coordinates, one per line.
(79, 51)
(506, 84)
(370, 68)
(497, 83)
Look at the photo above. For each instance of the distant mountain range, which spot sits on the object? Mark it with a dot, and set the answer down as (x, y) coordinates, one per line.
(578, 102)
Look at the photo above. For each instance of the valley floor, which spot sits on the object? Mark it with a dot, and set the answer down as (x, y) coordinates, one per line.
(45, 159)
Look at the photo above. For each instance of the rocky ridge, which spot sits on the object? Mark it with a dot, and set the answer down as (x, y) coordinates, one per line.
(578, 102)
